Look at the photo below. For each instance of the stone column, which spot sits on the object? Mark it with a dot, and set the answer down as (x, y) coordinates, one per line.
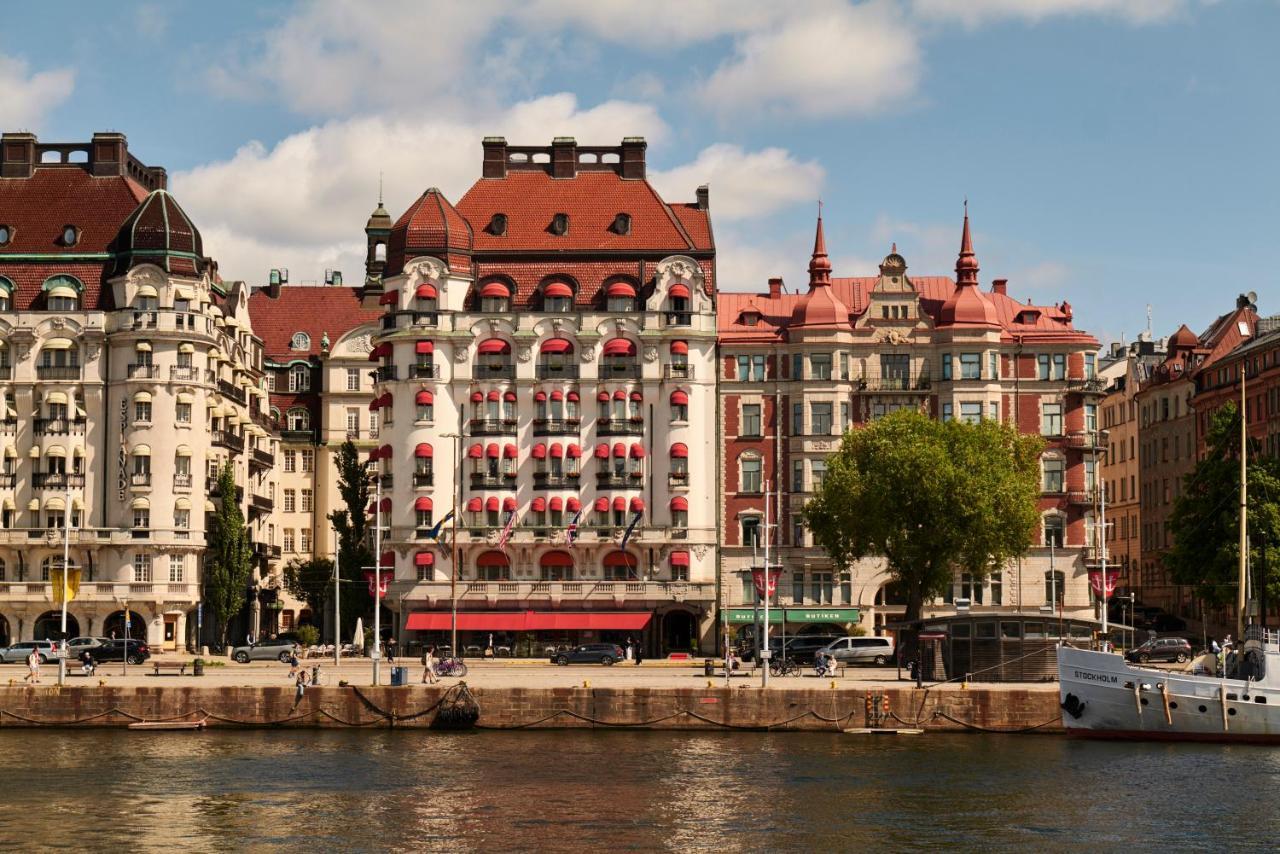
(180, 632)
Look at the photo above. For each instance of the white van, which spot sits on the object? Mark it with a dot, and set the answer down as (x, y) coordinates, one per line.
(865, 650)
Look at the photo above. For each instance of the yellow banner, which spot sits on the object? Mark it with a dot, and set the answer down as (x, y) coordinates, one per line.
(64, 588)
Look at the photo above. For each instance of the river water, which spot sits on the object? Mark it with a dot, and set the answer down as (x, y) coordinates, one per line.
(625, 791)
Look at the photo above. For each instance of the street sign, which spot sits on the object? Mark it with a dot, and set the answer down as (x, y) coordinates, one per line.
(741, 616)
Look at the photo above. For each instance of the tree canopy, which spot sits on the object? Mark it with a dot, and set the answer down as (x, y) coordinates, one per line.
(1205, 521)
(230, 557)
(311, 580)
(351, 523)
(930, 497)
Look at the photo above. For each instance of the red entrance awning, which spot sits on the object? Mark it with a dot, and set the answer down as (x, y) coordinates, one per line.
(530, 621)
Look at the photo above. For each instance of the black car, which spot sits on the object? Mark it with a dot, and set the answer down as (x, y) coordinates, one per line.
(801, 648)
(114, 650)
(1161, 649)
(589, 653)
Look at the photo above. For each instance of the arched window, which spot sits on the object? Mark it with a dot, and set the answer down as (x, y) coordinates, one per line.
(749, 466)
(495, 297)
(679, 512)
(423, 465)
(618, 360)
(300, 341)
(557, 297)
(679, 300)
(621, 566)
(299, 419)
(556, 566)
(425, 406)
(679, 405)
(679, 464)
(620, 297)
(425, 298)
(493, 566)
(62, 293)
(6, 293)
(299, 378)
(750, 529)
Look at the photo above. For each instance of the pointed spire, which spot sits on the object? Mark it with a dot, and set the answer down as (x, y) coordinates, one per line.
(967, 263)
(819, 264)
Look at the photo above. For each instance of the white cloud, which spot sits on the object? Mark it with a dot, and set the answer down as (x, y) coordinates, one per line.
(303, 203)
(824, 60)
(975, 12)
(29, 97)
(1043, 276)
(744, 185)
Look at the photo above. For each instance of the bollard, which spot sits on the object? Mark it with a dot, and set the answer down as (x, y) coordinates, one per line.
(708, 667)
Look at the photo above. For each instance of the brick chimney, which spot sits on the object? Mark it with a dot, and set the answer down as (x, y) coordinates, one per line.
(108, 154)
(564, 157)
(775, 287)
(633, 157)
(17, 155)
(704, 198)
(1000, 286)
(495, 157)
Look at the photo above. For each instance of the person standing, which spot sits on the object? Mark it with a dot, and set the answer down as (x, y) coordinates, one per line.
(293, 665)
(33, 667)
(629, 652)
(488, 651)
(391, 650)
(429, 670)
(639, 653)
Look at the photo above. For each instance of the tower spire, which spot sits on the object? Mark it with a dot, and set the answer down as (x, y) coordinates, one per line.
(819, 264)
(967, 263)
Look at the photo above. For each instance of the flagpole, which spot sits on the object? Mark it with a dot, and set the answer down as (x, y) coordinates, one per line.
(66, 554)
(377, 581)
(767, 654)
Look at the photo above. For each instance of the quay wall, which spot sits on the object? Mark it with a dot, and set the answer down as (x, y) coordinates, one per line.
(710, 709)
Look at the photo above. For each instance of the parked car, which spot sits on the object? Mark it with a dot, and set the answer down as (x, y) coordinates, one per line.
(864, 650)
(275, 649)
(75, 646)
(114, 650)
(802, 648)
(1161, 649)
(589, 653)
(18, 652)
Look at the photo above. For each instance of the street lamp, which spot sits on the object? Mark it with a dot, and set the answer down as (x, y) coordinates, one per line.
(457, 508)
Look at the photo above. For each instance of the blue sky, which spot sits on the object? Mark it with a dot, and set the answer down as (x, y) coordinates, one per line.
(1115, 153)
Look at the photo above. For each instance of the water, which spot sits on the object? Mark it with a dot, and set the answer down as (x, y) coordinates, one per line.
(592, 791)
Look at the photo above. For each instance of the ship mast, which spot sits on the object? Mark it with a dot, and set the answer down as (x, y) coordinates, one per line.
(1242, 587)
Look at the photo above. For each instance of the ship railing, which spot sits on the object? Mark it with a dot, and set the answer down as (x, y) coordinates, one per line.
(1269, 638)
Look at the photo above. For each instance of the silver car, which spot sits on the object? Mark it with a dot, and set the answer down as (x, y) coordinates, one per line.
(865, 650)
(75, 646)
(270, 650)
(18, 652)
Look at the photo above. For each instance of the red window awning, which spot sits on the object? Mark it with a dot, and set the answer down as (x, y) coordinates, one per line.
(637, 396)
(385, 504)
(619, 449)
(602, 505)
(509, 452)
(679, 398)
(374, 404)
(426, 291)
(539, 504)
(556, 558)
(491, 503)
(493, 346)
(602, 451)
(495, 289)
(557, 395)
(509, 396)
(529, 621)
(424, 559)
(389, 298)
(557, 504)
(491, 450)
(509, 504)
(603, 397)
(573, 452)
(477, 397)
(556, 346)
(540, 451)
(637, 505)
(424, 347)
(557, 289)
(494, 396)
(637, 452)
(679, 348)
(619, 395)
(475, 452)
(383, 349)
(573, 505)
(619, 503)
(679, 449)
(679, 291)
(424, 397)
(620, 559)
(679, 558)
(679, 503)
(540, 396)
(573, 395)
(620, 347)
(492, 558)
(385, 452)
(557, 450)
(620, 289)
(423, 450)
(422, 503)
(475, 505)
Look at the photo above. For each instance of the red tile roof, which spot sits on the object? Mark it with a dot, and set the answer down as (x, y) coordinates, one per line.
(431, 225)
(309, 309)
(38, 208)
(28, 276)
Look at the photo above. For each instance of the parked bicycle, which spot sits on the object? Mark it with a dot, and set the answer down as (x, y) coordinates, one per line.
(451, 667)
(784, 667)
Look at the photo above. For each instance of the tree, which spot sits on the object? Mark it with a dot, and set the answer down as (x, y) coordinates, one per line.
(311, 581)
(1205, 521)
(352, 527)
(230, 557)
(930, 498)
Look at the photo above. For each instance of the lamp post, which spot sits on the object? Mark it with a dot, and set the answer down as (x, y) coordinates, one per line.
(456, 557)
(64, 580)
(377, 581)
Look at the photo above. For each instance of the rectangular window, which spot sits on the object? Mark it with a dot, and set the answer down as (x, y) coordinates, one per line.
(744, 368)
(290, 461)
(970, 366)
(1051, 419)
(797, 475)
(819, 470)
(993, 411)
(844, 366)
(1042, 364)
(946, 366)
(971, 412)
(270, 377)
(353, 420)
(182, 519)
(757, 368)
(895, 371)
(751, 475)
(751, 419)
(993, 365)
(1091, 417)
(308, 461)
(946, 412)
(820, 419)
(177, 568)
(142, 518)
(797, 419)
(820, 366)
(142, 567)
(353, 379)
(1059, 366)
(306, 501)
(142, 411)
(288, 539)
(797, 531)
(751, 531)
(844, 416)
(290, 503)
(183, 413)
(797, 366)
(1053, 470)
(304, 540)
(996, 582)
(1090, 473)
(1090, 365)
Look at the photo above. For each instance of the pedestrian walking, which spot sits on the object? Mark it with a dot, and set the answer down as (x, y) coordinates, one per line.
(629, 651)
(391, 650)
(429, 671)
(293, 664)
(33, 668)
(639, 654)
(488, 651)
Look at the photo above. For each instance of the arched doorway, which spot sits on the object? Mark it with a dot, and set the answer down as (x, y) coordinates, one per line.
(48, 626)
(493, 566)
(113, 626)
(679, 632)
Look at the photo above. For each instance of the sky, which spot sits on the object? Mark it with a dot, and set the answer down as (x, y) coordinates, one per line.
(1116, 154)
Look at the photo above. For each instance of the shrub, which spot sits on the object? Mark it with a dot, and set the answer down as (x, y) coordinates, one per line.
(308, 635)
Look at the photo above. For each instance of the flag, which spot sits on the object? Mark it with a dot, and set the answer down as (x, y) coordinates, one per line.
(65, 584)
(630, 528)
(434, 533)
(506, 532)
(571, 532)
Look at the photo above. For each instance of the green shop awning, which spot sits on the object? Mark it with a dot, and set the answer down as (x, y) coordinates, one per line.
(741, 616)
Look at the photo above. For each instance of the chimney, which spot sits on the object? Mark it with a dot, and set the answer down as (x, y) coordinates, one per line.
(775, 287)
(17, 155)
(495, 157)
(633, 157)
(108, 154)
(564, 157)
(704, 198)
(274, 280)
(1000, 286)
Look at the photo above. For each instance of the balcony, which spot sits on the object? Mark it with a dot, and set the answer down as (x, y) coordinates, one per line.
(266, 459)
(261, 503)
(625, 480)
(1093, 386)
(57, 426)
(678, 318)
(593, 589)
(620, 427)
(385, 373)
(1087, 440)
(678, 479)
(423, 479)
(894, 382)
(227, 439)
(677, 372)
(1083, 497)
(556, 426)
(184, 374)
(484, 371)
(397, 319)
(387, 480)
(211, 487)
(142, 372)
(230, 390)
(182, 481)
(140, 478)
(556, 372)
(491, 426)
(58, 372)
(7, 480)
(56, 480)
(492, 481)
(422, 371)
(551, 480)
(610, 370)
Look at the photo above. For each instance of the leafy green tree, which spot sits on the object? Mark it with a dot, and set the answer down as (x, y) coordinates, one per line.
(311, 581)
(1205, 521)
(352, 527)
(230, 558)
(930, 498)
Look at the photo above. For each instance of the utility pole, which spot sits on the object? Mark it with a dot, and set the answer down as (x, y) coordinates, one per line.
(337, 612)
(456, 551)
(377, 582)
(66, 587)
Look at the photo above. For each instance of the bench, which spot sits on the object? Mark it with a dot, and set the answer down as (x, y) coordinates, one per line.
(179, 667)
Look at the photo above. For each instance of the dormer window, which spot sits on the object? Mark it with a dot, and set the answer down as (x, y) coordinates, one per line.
(300, 341)
(557, 297)
(750, 318)
(560, 224)
(70, 235)
(622, 224)
(6, 234)
(498, 225)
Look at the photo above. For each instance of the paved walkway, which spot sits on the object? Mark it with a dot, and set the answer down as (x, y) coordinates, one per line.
(485, 674)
